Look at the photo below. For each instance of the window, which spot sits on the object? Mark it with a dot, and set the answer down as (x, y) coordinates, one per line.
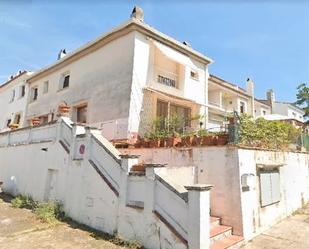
(269, 187)
(81, 114)
(264, 113)
(34, 93)
(22, 91)
(194, 75)
(242, 107)
(45, 87)
(162, 113)
(12, 96)
(17, 119)
(8, 122)
(66, 81)
(179, 115)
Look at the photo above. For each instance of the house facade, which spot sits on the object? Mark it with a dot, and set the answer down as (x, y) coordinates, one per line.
(284, 111)
(225, 98)
(123, 80)
(13, 101)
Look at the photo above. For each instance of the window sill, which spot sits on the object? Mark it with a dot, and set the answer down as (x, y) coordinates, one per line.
(63, 89)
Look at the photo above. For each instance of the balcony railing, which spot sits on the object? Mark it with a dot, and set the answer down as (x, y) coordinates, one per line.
(167, 78)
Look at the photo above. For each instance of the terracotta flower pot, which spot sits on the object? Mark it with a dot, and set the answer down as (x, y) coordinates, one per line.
(35, 121)
(138, 144)
(154, 143)
(138, 168)
(169, 142)
(162, 142)
(223, 139)
(232, 120)
(186, 141)
(144, 143)
(196, 140)
(209, 140)
(177, 141)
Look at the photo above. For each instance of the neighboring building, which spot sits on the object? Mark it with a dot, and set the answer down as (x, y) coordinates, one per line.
(284, 111)
(123, 80)
(224, 98)
(13, 101)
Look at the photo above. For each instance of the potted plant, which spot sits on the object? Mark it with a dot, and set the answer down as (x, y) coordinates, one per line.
(222, 138)
(138, 167)
(63, 109)
(35, 121)
(209, 139)
(13, 126)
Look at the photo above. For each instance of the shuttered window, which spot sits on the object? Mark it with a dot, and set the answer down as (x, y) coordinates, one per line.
(269, 187)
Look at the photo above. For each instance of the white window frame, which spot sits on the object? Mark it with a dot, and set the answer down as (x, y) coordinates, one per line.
(32, 93)
(45, 87)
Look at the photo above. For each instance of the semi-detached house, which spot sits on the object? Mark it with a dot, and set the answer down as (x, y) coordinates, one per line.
(123, 80)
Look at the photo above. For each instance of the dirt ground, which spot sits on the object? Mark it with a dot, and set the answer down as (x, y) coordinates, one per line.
(20, 229)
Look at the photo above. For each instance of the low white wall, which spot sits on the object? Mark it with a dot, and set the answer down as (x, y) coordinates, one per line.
(294, 188)
(223, 168)
(214, 165)
(82, 170)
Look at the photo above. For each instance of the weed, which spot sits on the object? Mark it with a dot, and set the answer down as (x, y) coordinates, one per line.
(24, 202)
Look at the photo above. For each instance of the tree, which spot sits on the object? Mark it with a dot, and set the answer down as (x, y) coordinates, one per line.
(303, 98)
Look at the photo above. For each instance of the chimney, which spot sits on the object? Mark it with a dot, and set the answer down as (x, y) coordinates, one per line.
(138, 13)
(270, 96)
(61, 54)
(250, 91)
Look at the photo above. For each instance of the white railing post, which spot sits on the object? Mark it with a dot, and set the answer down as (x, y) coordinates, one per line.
(149, 204)
(198, 216)
(9, 138)
(59, 129)
(73, 143)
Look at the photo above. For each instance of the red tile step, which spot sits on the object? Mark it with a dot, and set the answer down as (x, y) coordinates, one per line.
(232, 241)
(214, 221)
(220, 231)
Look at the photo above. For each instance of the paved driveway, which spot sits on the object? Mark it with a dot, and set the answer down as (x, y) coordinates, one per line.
(20, 229)
(291, 233)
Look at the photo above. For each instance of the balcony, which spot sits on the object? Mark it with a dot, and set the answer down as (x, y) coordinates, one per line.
(167, 78)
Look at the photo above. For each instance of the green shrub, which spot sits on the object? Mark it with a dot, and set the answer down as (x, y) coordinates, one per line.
(24, 202)
(266, 134)
(49, 212)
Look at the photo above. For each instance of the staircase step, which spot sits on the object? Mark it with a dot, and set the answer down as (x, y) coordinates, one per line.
(214, 221)
(231, 242)
(219, 230)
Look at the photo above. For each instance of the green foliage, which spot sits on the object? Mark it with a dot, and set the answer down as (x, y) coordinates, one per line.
(303, 97)
(49, 212)
(266, 134)
(24, 202)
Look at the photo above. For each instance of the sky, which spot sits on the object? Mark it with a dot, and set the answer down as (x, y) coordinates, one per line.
(267, 41)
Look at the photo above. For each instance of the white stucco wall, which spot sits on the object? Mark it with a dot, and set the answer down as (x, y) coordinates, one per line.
(147, 59)
(223, 167)
(8, 108)
(95, 186)
(294, 188)
(288, 110)
(101, 79)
